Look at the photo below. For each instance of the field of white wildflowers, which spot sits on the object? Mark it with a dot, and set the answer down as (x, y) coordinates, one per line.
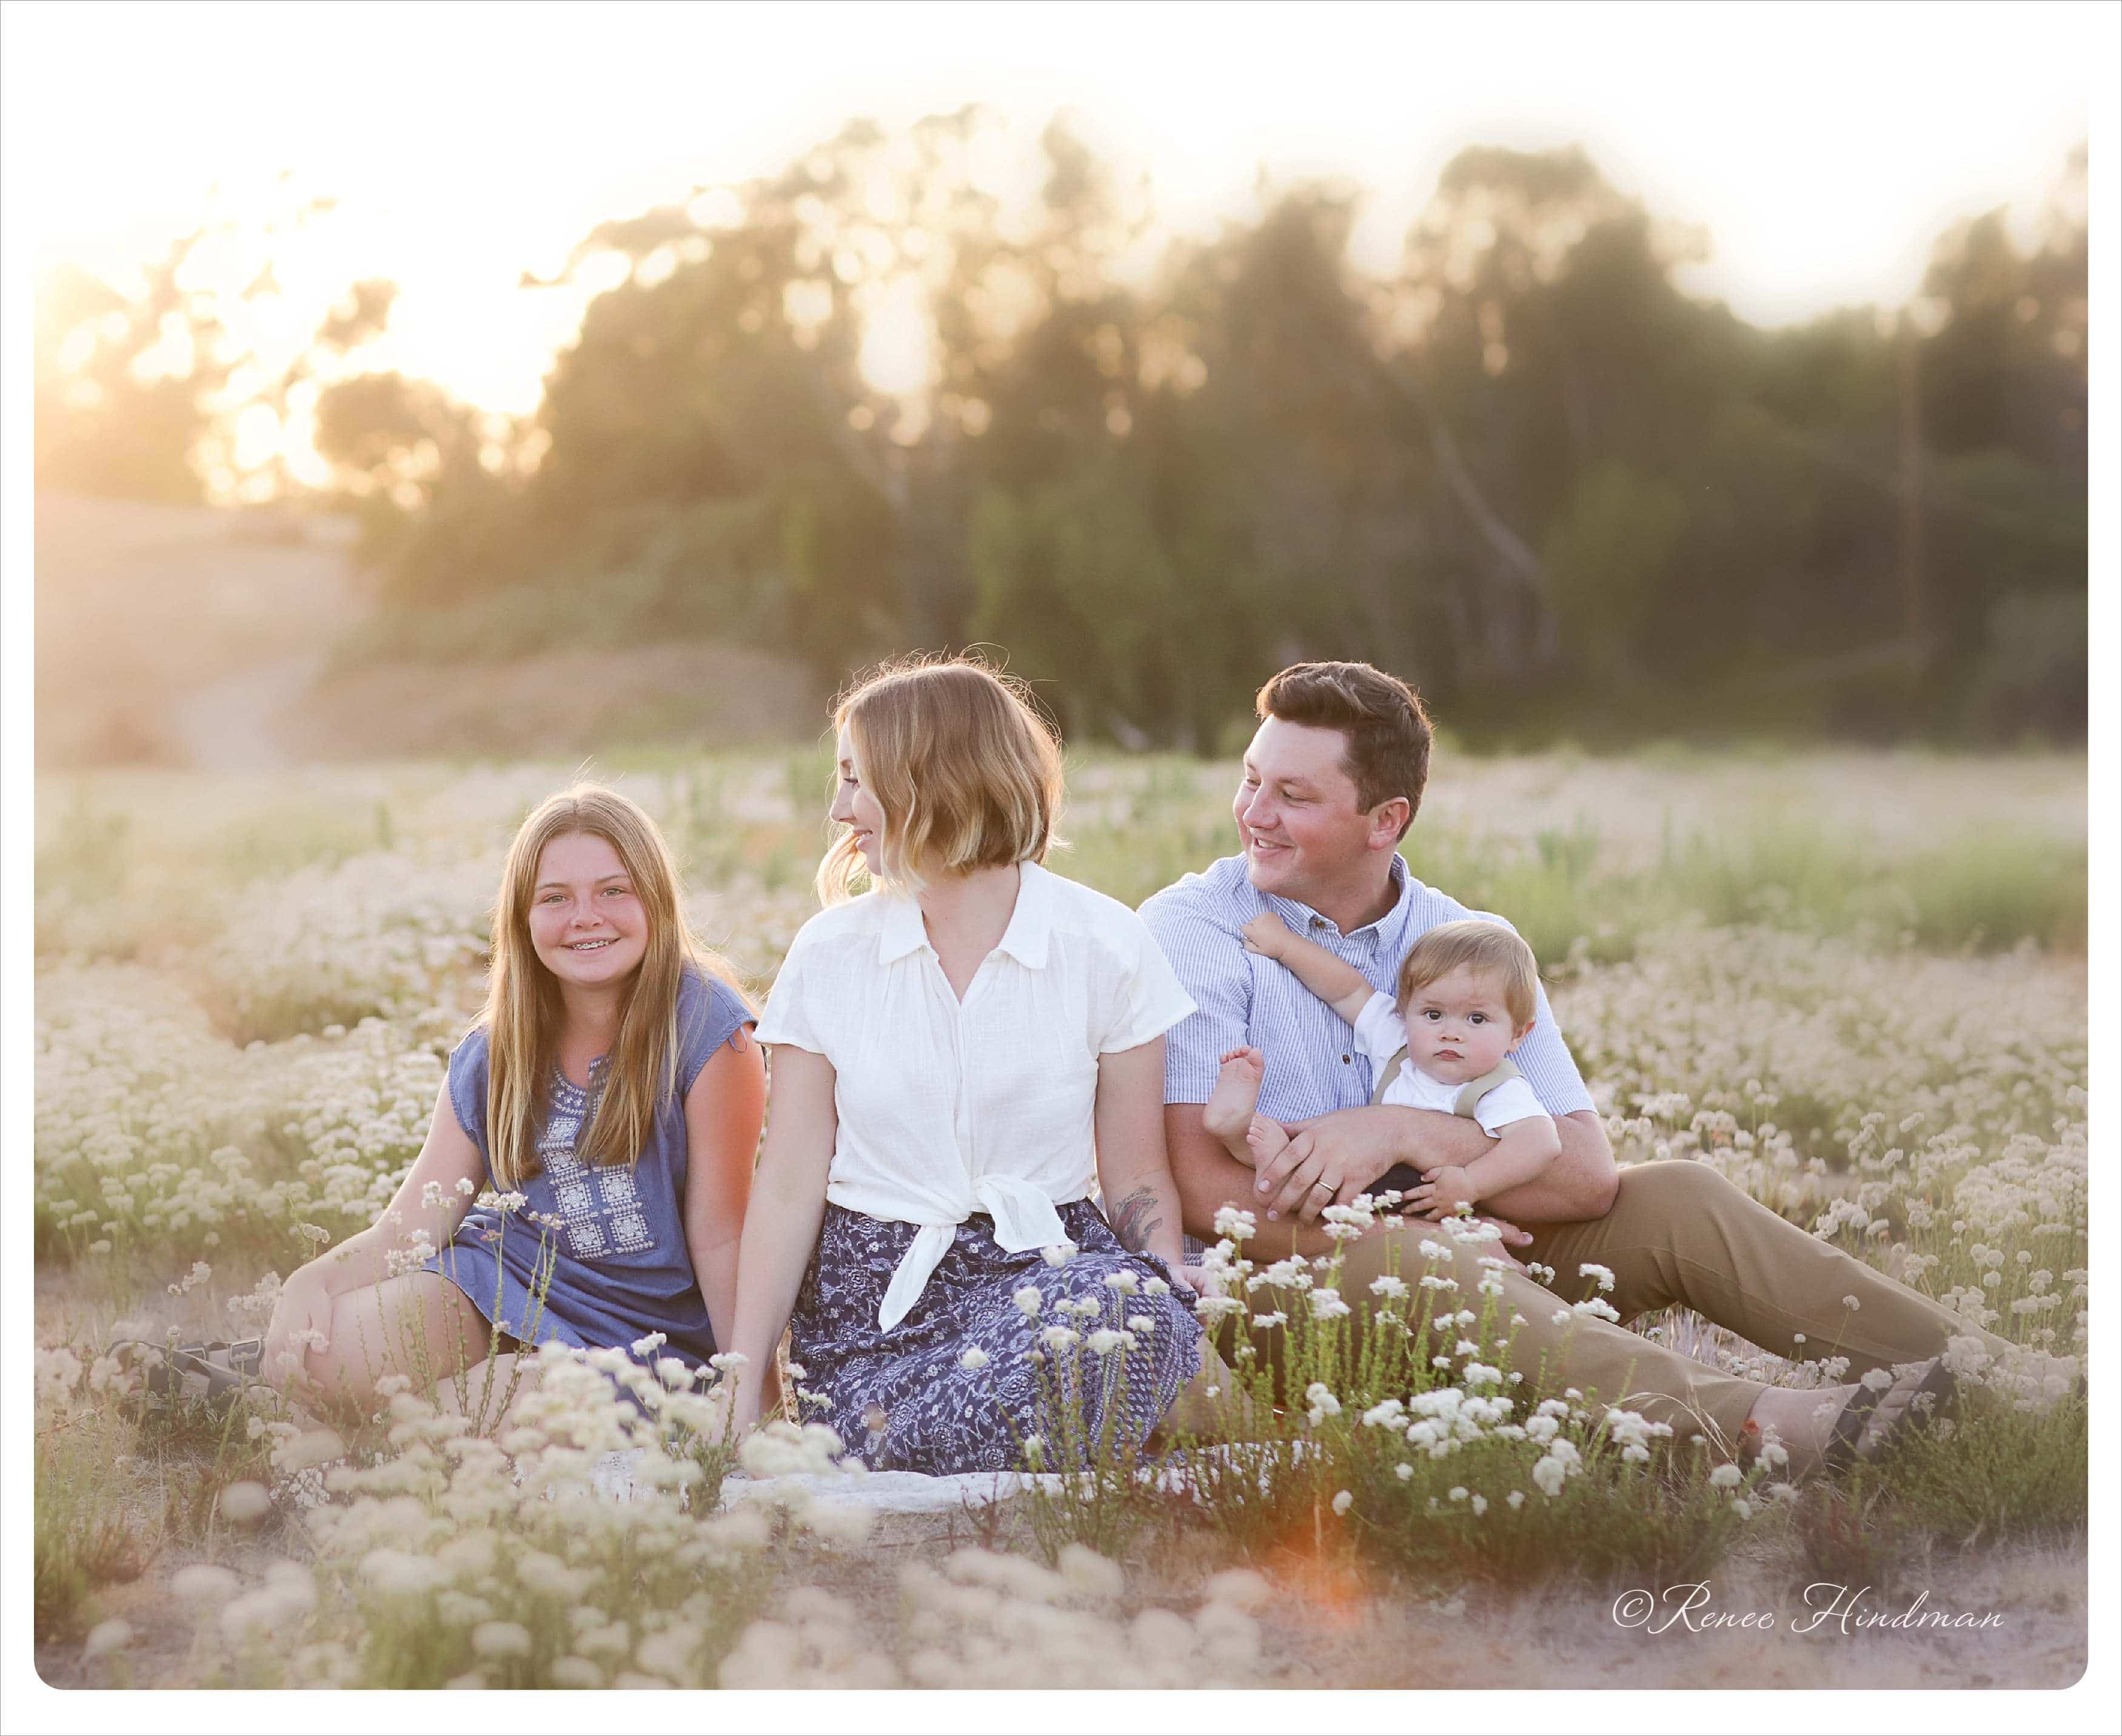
(1809, 972)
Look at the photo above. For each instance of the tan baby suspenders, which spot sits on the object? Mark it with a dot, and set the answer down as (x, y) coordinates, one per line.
(1469, 1094)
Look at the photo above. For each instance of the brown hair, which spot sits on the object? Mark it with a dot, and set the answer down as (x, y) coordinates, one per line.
(1380, 717)
(1488, 948)
(966, 770)
(522, 1013)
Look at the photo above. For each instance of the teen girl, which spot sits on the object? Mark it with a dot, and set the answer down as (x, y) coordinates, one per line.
(609, 1091)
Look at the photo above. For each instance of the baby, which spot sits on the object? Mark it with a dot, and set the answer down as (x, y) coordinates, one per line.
(1467, 995)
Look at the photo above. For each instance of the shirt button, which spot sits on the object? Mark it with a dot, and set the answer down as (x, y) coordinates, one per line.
(1344, 1060)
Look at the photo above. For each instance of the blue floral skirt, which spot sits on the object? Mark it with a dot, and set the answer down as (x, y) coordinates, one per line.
(904, 1400)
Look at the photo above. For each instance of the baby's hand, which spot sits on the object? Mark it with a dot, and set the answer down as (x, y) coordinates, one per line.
(1265, 934)
(1443, 1191)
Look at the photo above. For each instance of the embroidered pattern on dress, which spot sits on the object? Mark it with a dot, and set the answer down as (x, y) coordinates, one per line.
(600, 1209)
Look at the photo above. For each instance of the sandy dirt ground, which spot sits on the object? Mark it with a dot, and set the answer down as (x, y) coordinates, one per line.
(1329, 1627)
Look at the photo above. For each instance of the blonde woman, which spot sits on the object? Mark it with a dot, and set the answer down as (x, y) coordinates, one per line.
(957, 1055)
(610, 1084)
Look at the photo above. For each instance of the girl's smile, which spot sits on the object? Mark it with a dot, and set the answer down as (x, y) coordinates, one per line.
(586, 923)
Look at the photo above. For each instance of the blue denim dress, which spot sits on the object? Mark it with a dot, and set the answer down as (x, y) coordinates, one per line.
(606, 1243)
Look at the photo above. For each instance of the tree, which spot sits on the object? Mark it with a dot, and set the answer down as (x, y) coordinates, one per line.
(123, 387)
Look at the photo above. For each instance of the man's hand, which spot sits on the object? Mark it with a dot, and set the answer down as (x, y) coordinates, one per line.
(1328, 1164)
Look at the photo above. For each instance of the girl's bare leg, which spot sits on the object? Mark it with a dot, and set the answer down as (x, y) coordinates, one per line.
(419, 1324)
(489, 1391)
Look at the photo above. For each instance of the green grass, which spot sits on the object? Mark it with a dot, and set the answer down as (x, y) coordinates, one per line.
(91, 1530)
(2000, 1474)
(1978, 892)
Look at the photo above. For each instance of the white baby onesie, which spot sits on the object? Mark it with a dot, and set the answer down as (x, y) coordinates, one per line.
(1381, 1035)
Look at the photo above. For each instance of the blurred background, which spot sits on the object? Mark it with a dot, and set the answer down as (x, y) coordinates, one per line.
(428, 380)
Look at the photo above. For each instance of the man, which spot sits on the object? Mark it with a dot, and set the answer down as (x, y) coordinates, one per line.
(1331, 782)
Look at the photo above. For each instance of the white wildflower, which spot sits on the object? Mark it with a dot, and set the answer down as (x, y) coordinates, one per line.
(501, 1640)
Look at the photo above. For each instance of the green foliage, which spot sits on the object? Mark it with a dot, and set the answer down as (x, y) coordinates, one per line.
(1528, 473)
(1983, 890)
(89, 1530)
(124, 418)
(1607, 556)
(1856, 1534)
(1998, 1473)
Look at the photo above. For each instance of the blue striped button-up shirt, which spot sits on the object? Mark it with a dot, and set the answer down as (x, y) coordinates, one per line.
(1313, 1065)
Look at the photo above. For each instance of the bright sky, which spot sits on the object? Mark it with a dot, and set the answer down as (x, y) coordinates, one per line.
(1822, 148)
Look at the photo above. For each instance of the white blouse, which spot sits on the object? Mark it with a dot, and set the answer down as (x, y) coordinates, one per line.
(947, 1109)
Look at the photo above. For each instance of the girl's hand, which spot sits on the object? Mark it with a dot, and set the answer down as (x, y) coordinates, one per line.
(1265, 934)
(301, 1318)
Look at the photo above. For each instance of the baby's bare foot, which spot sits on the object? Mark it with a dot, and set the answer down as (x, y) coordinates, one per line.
(1230, 1105)
(1264, 1138)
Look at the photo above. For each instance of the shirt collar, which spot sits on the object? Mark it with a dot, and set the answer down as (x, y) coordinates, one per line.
(1299, 916)
(1030, 923)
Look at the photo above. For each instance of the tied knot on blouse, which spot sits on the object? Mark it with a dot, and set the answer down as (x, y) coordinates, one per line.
(947, 1108)
(1024, 1219)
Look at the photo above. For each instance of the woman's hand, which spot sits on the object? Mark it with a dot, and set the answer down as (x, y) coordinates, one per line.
(302, 1319)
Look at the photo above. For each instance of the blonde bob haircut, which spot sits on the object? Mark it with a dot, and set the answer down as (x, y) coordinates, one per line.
(967, 773)
(1485, 948)
(523, 1011)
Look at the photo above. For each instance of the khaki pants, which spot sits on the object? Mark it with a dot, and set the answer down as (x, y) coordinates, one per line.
(1679, 1234)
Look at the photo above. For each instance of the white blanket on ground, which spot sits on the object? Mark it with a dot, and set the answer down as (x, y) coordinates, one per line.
(881, 1492)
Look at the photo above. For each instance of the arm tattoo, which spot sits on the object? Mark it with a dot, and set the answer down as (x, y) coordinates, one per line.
(1135, 1219)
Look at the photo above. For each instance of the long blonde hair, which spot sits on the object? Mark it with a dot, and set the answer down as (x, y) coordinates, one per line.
(523, 1009)
(966, 770)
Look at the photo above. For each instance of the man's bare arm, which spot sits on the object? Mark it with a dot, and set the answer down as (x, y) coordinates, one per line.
(1209, 1178)
(1346, 1147)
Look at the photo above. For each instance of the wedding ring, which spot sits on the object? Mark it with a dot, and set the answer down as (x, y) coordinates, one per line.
(1324, 1183)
